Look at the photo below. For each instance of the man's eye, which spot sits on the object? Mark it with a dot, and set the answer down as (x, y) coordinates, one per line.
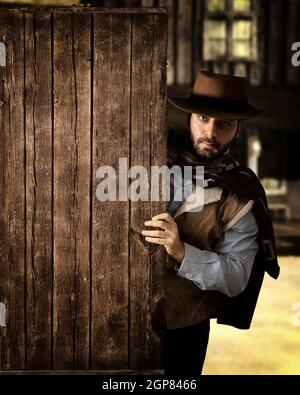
(225, 124)
(202, 117)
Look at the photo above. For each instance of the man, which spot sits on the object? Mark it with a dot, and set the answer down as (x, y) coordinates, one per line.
(217, 256)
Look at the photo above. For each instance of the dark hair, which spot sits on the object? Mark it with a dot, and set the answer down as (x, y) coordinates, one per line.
(188, 120)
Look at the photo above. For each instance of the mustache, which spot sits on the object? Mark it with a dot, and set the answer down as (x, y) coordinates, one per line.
(212, 141)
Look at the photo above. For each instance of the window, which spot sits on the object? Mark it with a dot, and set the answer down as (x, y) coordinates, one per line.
(241, 5)
(217, 39)
(229, 30)
(241, 39)
(216, 5)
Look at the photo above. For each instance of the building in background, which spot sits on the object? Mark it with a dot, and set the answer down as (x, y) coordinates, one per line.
(251, 38)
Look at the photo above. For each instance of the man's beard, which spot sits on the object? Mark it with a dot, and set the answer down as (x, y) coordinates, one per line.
(217, 149)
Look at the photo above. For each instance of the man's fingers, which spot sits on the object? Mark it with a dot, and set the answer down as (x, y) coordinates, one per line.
(154, 233)
(156, 240)
(165, 216)
(157, 224)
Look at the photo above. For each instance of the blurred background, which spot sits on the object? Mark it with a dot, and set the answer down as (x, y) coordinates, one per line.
(251, 38)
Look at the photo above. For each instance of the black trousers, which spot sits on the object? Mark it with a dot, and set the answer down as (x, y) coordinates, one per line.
(185, 349)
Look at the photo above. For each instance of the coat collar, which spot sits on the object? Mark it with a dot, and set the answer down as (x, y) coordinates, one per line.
(209, 195)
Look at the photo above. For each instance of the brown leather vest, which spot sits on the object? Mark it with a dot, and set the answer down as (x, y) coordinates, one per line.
(186, 303)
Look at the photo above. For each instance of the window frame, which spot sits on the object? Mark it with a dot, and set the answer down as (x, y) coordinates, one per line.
(229, 16)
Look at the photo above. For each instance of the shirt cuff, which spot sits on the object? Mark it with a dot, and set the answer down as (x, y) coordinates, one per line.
(199, 266)
(184, 268)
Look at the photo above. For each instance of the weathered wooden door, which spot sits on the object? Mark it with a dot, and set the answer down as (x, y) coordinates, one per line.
(79, 89)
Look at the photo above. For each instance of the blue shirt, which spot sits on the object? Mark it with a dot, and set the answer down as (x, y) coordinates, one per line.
(226, 269)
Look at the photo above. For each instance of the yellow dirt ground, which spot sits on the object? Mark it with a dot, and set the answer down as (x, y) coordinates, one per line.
(272, 345)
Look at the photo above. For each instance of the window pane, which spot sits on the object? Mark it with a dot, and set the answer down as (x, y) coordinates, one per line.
(217, 48)
(215, 29)
(215, 39)
(241, 5)
(216, 5)
(241, 30)
(241, 49)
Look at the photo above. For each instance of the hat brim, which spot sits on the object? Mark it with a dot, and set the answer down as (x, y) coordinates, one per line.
(184, 104)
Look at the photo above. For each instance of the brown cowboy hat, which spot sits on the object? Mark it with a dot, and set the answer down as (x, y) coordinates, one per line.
(217, 95)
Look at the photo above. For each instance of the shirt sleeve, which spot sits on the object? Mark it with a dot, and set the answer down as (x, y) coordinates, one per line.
(226, 269)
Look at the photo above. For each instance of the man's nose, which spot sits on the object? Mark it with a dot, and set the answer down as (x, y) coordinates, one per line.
(211, 129)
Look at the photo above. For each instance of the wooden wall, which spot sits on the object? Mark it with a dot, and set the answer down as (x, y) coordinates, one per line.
(81, 88)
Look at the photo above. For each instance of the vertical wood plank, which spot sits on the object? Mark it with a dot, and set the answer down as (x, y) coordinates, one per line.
(71, 191)
(184, 38)
(158, 158)
(38, 87)
(277, 42)
(12, 190)
(148, 145)
(110, 226)
(141, 110)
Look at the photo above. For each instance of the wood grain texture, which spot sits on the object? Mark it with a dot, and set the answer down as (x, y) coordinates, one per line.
(142, 100)
(80, 90)
(82, 372)
(38, 110)
(110, 226)
(71, 244)
(158, 158)
(84, 9)
(12, 190)
(148, 95)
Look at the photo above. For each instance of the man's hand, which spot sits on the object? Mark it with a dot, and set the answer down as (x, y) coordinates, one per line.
(168, 236)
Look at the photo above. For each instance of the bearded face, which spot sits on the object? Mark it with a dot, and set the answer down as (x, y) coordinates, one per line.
(211, 137)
